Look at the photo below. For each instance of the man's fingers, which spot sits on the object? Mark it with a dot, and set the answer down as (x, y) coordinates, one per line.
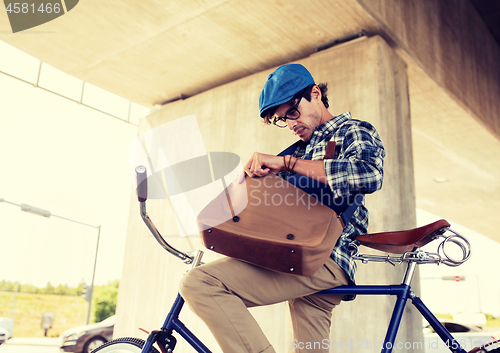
(254, 167)
(242, 176)
(264, 172)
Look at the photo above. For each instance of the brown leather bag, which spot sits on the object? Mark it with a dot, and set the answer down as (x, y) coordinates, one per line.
(270, 223)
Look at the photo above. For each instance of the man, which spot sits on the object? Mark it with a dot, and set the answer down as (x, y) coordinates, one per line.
(220, 292)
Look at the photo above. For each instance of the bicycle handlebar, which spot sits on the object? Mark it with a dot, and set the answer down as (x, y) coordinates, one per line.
(142, 196)
(142, 183)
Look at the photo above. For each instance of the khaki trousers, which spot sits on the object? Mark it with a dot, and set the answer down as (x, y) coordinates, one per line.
(221, 291)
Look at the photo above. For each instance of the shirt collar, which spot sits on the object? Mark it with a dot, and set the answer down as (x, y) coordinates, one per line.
(327, 127)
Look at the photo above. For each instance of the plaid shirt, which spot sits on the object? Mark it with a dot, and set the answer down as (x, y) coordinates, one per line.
(357, 168)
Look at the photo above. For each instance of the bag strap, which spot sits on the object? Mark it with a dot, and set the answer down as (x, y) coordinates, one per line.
(347, 214)
(290, 149)
(330, 150)
(345, 210)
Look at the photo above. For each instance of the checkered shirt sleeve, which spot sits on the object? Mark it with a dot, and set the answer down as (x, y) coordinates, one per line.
(357, 168)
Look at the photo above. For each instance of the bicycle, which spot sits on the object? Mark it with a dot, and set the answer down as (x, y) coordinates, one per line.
(406, 242)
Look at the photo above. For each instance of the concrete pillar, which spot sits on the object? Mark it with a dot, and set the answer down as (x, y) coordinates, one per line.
(365, 77)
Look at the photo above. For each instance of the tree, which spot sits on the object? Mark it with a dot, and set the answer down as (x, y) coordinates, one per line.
(49, 288)
(105, 298)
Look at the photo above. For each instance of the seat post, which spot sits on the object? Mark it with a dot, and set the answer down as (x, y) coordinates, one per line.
(410, 270)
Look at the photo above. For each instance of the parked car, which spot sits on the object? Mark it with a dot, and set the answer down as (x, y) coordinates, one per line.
(6, 329)
(4, 335)
(84, 339)
(468, 336)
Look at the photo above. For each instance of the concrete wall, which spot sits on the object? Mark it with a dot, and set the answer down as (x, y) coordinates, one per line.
(365, 77)
(450, 42)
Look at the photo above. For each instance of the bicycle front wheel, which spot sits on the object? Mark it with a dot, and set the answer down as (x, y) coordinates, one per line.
(123, 345)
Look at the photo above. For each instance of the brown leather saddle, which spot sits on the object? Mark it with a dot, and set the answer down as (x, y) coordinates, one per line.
(399, 242)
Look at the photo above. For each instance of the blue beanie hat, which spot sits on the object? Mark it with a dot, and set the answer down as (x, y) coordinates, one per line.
(282, 85)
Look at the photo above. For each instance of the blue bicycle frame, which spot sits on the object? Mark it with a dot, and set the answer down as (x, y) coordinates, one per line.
(401, 291)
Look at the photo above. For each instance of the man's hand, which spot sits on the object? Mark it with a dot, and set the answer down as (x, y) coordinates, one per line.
(261, 165)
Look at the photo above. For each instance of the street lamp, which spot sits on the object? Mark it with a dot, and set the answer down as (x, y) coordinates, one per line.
(48, 214)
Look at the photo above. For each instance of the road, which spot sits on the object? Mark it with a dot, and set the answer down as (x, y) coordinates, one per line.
(30, 345)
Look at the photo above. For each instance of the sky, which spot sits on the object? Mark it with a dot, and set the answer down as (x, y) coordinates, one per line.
(72, 160)
(68, 159)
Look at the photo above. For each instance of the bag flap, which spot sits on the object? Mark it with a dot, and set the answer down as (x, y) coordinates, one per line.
(273, 207)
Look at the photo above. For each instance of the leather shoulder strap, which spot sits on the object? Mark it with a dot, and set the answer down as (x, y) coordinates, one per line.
(290, 149)
(330, 150)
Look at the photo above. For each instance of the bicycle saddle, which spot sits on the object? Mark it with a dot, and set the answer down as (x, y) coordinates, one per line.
(399, 242)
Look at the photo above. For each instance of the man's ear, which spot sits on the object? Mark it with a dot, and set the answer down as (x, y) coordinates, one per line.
(316, 93)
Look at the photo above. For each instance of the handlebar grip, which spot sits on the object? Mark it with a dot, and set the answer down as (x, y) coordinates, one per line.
(142, 183)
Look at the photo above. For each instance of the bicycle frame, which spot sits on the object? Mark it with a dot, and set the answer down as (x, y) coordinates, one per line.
(401, 291)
